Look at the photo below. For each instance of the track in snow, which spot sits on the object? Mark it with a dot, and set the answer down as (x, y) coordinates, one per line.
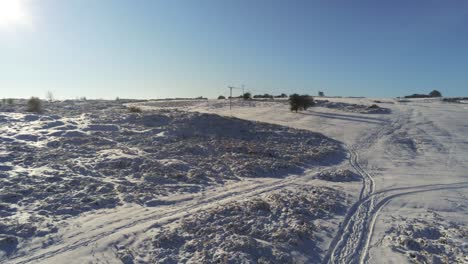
(350, 235)
(352, 242)
(363, 252)
(129, 224)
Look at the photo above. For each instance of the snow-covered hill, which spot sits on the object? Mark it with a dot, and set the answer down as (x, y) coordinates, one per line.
(193, 181)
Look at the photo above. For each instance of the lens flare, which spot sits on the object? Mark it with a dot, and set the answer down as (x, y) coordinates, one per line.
(12, 12)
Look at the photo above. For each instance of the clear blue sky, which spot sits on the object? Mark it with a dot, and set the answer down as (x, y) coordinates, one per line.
(175, 48)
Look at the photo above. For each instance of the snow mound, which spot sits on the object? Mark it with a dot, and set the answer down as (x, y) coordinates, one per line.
(279, 227)
(353, 108)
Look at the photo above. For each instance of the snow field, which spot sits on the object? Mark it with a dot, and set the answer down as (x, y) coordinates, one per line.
(56, 167)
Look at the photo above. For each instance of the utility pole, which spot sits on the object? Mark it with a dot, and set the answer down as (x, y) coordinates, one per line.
(230, 97)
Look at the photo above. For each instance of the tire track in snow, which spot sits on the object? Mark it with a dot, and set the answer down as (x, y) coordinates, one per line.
(351, 230)
(350, 236)
(352, 243)
(353, 240)
(364, 254)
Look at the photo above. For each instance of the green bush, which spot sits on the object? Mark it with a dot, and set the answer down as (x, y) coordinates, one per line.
(247, 96)
(221, 97)
(34, 105)
(300, 102)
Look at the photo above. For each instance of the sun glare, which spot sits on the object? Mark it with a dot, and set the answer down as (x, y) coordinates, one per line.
(12, 12)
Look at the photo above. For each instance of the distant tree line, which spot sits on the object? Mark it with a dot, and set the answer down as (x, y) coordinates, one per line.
(434, 93)
(248, 96)
(455, 99)
(270, 96)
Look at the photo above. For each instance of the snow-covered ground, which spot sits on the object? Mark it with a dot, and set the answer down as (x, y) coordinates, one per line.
(414, 160)
(193, 181)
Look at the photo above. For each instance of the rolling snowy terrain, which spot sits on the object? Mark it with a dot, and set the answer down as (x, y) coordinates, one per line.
(195, 182)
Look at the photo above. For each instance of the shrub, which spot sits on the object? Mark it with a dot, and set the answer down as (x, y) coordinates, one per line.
(435, 93)
(307, 101)
(294, 102)
(34, 105)
(300, 102)
(374, 106)
(135, 109)
(320, 93)
(247, 96)
(221, 97)
(6, 101)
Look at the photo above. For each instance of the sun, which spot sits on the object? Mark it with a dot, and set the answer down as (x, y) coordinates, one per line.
(12, 12)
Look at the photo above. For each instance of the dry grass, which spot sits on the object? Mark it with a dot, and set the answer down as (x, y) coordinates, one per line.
(135, 109)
